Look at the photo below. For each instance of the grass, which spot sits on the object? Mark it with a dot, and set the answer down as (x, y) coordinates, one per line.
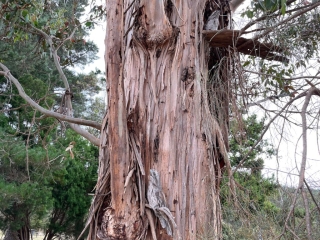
(39, 236)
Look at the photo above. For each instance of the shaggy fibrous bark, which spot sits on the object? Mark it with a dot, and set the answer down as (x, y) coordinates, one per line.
(159, 118)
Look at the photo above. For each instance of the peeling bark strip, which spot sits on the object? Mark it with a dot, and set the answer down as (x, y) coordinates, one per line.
(160, 123)
(118, 222)
(117, 112)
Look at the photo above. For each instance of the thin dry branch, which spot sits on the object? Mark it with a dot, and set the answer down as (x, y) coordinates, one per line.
(312, 196)
(284, 78)
(266, 129)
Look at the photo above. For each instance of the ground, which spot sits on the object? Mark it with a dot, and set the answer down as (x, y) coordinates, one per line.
(38, 236)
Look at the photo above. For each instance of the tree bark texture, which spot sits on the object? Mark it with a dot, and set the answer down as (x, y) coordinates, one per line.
(160, 119)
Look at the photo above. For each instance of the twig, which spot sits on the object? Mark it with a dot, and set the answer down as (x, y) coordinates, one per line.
(312, 196)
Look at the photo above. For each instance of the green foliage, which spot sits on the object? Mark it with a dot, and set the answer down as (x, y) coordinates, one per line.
(243, 139)
(52, 192)
(304, 37)
(21, 201)
(22, 195)
(265, 6)
(70, 184)
(271, 5)
(56, 18)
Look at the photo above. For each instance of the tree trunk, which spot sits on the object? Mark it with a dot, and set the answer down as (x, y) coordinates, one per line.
(22, 234)
(161, 125)
(10, 235)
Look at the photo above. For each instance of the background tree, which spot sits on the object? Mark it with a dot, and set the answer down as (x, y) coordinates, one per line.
(252, 215)
(22, 199)
(53, 194)
(71, 185)
(241, 141)
(32, 150)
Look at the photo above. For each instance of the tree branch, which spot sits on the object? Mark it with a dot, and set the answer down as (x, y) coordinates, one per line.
(283, 78)
(268, 15)
(312, 196)
(312, 6)
(63, 77)
(55, 56)
(94, 140)
(6, 73)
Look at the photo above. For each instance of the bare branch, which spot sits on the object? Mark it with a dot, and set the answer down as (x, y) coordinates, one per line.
(54, 50)
(62, 117)
(94, 140)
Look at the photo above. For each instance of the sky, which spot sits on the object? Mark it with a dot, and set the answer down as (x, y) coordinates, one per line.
(97, 36)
